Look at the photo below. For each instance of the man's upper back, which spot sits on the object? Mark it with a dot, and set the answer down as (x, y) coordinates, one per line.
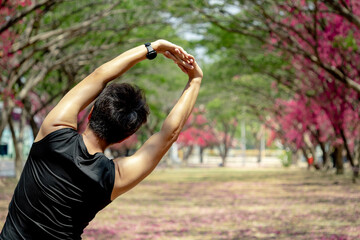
(61, 189)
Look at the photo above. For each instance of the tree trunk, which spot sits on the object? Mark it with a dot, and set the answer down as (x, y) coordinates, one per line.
(223, 155)
(223, 160)
(34, 127)
(339, 160)
(304, 153)
(187, 154)
(312, 149)
(349, 155)
(261, 141)
(261, 149)
(201, 152)
(18, 146)
(325, 154)
(356, 168)
(5, 114)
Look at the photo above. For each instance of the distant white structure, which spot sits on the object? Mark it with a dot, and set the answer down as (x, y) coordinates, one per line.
(6, 142)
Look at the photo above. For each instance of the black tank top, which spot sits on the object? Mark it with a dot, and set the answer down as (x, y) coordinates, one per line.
(61, 189)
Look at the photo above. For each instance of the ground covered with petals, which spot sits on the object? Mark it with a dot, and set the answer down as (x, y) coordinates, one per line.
(220, 203)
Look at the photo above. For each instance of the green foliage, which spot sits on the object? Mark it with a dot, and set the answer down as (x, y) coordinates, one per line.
(286, 158)
(236, 84)
(127, 24)
(348, 42)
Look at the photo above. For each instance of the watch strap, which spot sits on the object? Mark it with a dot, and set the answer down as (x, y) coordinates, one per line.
(151, 54)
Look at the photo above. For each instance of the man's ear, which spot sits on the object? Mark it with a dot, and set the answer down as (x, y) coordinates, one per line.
(92, 108)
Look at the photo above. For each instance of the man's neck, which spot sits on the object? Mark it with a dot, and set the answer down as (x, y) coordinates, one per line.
(92, 142)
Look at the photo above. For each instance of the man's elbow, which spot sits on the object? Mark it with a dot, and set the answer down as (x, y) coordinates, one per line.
(101, 75)
(172, 135)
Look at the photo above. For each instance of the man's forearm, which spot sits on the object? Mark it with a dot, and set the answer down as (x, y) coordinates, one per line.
(119, 65)
(178, 116)
(176, 120)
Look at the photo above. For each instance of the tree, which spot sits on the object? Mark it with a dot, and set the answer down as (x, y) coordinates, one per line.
(323, 56)
(302, 124)
(225, 123)
(197, 132)
(316, 44)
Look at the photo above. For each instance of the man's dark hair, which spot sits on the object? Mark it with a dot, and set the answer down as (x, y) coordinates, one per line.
(119, 111)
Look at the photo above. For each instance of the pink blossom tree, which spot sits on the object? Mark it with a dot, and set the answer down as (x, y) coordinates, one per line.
(302, 124)
(225, 135)
(323, 50)
(197, 132)
(318, 41)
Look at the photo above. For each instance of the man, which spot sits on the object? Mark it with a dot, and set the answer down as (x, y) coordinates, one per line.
(67, 179)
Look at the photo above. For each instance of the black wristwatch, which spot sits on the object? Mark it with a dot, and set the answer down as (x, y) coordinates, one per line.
(151, 54)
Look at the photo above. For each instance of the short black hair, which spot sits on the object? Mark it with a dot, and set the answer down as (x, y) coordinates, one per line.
(119, 111)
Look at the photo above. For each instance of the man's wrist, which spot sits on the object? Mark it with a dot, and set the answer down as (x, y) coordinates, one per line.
(151, 52)
(156, 45)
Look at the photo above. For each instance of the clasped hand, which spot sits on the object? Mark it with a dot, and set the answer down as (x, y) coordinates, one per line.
(185, 61)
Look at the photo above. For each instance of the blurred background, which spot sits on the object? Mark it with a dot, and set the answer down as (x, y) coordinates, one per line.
(281, 80)
(281, 84)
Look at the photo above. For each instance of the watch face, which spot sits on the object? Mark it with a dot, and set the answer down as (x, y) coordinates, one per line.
(151, 55)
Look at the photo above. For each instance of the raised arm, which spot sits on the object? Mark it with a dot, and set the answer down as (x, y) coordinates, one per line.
(66, 111)
(131, 170)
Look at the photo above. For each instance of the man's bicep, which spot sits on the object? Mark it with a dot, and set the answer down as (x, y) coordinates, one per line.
(134, 169)
(147, 157)
(154, 148)
(65, 113)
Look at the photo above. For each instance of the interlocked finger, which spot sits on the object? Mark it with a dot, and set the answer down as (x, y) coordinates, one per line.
(170, 56)
(183, 59)
(182, 68)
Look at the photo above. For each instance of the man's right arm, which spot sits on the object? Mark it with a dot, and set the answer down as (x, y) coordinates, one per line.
(66, 111)
(131, 170)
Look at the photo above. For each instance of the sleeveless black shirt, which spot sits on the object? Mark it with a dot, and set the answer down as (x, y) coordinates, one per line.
(61, 189)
